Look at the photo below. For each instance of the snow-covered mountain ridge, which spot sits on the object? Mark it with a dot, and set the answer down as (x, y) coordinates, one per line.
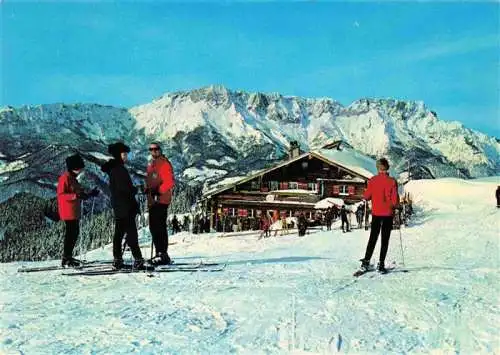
(401, 129)
(213, 133)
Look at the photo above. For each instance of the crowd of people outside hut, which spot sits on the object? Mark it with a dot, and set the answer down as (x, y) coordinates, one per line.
(275, 222)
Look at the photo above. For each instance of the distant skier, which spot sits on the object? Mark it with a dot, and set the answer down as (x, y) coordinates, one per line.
(345, 220)
(175, 225)
(206, 224)
(196, 223)
(185, 223)
(359, 215)
(201, 224)
(264, 226)
(382, 190)
(328, 218)
(284, 225)
(69, 196)
(125, 206)
(335, 212)
(159, 188)
(497, 194)
(302, 224)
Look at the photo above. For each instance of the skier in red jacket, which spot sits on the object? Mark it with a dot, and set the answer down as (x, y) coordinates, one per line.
(159, 187)
(69, 195)
(382, 190)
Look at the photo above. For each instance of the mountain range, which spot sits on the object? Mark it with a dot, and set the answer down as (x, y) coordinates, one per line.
(214, 133)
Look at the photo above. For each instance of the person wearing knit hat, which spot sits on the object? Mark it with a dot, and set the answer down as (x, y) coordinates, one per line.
(382, 190)
(69, 196)
(116, 149)
(75, 163)
(125, 206)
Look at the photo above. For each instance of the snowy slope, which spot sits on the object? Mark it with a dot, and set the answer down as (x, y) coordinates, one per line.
(284, 294)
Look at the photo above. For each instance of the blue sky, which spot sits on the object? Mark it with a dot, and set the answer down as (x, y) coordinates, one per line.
(443, 53)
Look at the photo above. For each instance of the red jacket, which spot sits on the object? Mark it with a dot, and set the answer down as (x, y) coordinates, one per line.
(160, 177)
(67, 202)
(383, 191)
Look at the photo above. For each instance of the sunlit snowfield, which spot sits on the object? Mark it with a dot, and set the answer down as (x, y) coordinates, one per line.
(283, 294)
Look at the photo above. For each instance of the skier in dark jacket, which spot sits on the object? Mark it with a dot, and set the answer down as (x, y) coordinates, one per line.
(124, 204)
(345, 220)
(185, 223)
(328, 218)
(360, 215)
(175, 225)
(302, 224)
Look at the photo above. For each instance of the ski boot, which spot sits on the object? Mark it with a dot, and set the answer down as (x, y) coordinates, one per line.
(139, 264)
(70, 262)
(161, 259)
(365, 265)
(381, 268)
(117, 264)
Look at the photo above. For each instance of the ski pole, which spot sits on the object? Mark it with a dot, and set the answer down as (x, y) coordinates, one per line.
(152, 244)
(89, 227)
(124, 246)
(80, 224)
(401, 244)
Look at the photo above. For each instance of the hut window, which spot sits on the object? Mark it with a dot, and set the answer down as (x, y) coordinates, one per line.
(274, 185)
(344, 190)
(255, 185)
(293, 185)
(312, 186)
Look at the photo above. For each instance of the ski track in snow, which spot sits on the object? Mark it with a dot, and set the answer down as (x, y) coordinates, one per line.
(282, 294)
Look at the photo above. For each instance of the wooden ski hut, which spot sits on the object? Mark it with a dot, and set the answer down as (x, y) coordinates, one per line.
(293, 186)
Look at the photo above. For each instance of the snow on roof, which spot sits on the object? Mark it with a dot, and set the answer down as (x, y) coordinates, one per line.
(217, 188)
(346, 157)
(351, 160)
(223, 184)
(328, 202)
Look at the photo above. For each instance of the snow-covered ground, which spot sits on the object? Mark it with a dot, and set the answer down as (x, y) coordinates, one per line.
(283, 294)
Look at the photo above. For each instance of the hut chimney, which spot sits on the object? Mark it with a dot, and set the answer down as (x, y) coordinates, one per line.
(294, 150)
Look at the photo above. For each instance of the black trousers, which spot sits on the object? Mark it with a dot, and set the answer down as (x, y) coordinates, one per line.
(126, 226)
(70, 237)
(346, 221)
(378, 223)
(158, 214)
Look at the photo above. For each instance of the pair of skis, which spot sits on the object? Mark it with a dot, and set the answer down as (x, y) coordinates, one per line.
(388, 270)
(104, 267)
(183, 267)
(83, 265)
